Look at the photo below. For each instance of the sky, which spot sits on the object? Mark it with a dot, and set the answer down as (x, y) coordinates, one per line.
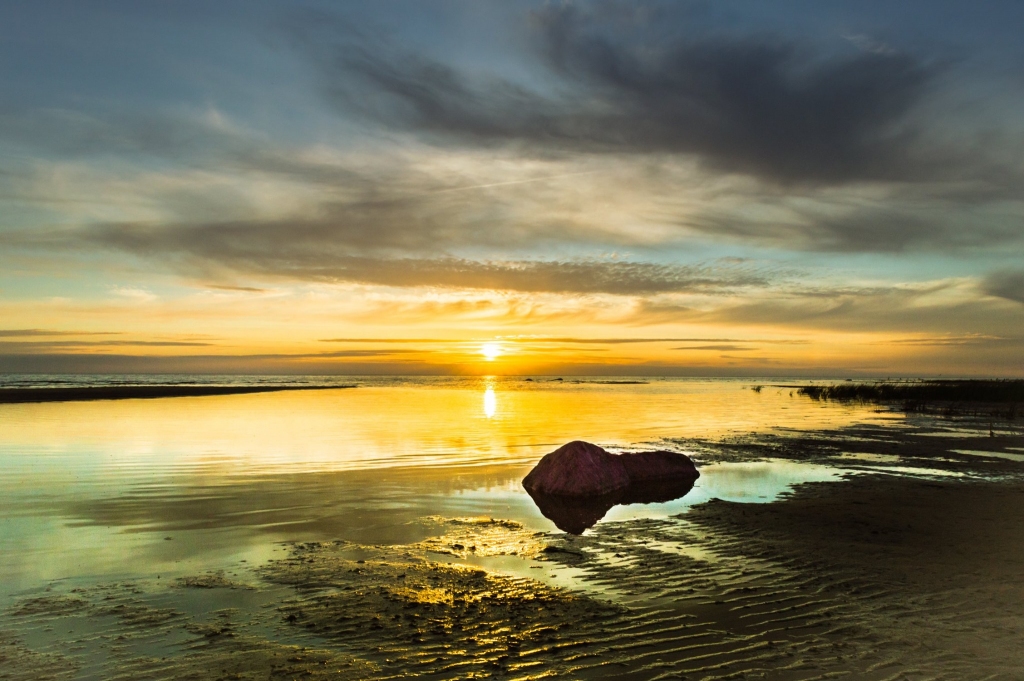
(792, 188)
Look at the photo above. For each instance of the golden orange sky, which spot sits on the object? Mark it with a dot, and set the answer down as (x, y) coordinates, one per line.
(333, 329)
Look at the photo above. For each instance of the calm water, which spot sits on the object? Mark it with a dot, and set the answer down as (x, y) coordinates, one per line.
(168, 486)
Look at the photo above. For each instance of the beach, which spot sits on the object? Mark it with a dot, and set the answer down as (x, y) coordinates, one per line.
(829, 541)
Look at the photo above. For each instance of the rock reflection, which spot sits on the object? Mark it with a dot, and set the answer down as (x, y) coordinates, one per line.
(576, 514)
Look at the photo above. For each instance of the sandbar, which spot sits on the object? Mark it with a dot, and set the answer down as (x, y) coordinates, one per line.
(131, 392)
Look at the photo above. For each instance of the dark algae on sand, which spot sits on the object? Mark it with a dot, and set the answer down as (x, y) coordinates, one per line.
(997, 396)
(135, 392)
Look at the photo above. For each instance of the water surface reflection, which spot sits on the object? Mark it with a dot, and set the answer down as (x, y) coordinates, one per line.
(94, 488)
(575, 515)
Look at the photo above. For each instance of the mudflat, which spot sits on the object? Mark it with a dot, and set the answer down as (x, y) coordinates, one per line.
(126, 392)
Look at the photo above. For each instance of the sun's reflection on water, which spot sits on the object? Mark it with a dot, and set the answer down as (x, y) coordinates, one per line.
(490, 402)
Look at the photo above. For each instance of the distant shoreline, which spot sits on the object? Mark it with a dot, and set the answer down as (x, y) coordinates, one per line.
(132, 392)
(994, 398)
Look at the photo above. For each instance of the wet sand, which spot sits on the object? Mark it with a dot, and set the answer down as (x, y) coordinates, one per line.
(134, 392)
(879, 577)
(920, 577)
(907, 568)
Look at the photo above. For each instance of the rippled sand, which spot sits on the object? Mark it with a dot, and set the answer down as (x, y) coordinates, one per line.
(827, 583)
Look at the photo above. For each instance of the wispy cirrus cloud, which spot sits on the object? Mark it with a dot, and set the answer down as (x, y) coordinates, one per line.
(46, 346)
(941, 308)
(35, 333)
(568, 340)
(320, 251)
(352, 362)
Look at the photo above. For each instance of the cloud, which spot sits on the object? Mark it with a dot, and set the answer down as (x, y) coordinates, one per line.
(40, 346)
(1008, 284)
(135, 293)
(320, 251)
(191, 138)
(620, 341)
(546, 340)
(618, 135)
(425, 341)
(239, 200)
(891, 224)
(357, 363)
(239, 289)
(751, 105)
(943, 341)
(22, 333)
(943, 308)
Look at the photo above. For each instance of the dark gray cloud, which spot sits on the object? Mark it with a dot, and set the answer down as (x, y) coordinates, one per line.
(755, 105)
(1008, 284)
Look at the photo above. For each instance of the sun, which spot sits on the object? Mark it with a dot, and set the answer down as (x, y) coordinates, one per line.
(490, 351)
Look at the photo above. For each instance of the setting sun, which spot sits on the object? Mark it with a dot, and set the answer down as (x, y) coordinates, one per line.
(490, 351)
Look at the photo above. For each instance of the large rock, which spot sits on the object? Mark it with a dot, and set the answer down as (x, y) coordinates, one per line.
(658, 466)
(578, 469)
(578, 483)
(576, 514)
(582, 469)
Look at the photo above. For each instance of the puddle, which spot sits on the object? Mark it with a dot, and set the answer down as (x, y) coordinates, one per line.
(958, 433)
(692, 551)
(757, 482)
(867, 456)
(995, 455)
(912, 472)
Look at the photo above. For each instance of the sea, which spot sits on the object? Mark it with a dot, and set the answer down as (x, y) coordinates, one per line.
(142, 487)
